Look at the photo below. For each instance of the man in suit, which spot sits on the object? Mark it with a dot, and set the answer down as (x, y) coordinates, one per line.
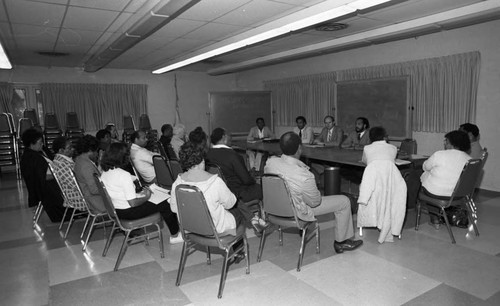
(331, 135)
(360, 136)
(142, 157)
(305, 132)
(258, 132)
(236, 175)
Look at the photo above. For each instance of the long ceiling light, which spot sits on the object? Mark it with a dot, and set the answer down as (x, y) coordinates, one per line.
(4, 60)
(308, 21)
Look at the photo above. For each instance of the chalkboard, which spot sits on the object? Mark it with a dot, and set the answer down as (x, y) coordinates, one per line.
(237, 111)
(383, 101)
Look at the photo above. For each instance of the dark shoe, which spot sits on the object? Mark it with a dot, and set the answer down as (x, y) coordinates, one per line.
(239, 257)
(259, 225)
(135, 233)
(346, 245)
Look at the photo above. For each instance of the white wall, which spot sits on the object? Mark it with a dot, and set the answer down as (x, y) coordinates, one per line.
(483, 37)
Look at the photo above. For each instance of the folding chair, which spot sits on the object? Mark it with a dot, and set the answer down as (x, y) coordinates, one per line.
(280, 210)
(175, 168)
(163, 175)
(462, 194)
(128, 225)
(197, 228)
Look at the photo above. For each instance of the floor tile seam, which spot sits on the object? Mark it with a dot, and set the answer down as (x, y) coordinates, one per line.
(13, 244)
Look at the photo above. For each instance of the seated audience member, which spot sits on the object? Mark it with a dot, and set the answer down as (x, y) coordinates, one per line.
(167, 131)
(141, 157)
(331, 135)
(382, 193)
(476, 151)
(63, 165)
(199, 137)
(113, 131)
(104, 139)
(258, 132)
(85, 167)
(360, 136)
(38, 178)
(179, 133)
(121, 189)
(305, 132)
(306, 196)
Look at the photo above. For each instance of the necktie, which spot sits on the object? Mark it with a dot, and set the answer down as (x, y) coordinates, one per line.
(329, 138)
(300, 134)
(359, 136)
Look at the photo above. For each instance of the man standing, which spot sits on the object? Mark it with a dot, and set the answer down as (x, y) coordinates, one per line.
(330, 135)
(305, 133)
(258, 132)
(141, 157)
(476, 151)
(360, 136)
(306, 196)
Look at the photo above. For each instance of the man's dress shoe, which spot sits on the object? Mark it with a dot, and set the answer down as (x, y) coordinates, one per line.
(346, 245)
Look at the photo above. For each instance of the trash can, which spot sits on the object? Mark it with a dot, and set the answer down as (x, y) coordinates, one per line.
(332, 180)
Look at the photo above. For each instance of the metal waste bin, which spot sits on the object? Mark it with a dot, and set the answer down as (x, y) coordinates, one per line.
(332, 180)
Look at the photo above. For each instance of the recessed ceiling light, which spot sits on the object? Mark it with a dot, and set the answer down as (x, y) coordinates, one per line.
(331, 26)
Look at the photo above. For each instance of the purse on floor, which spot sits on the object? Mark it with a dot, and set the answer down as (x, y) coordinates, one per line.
(457, 216)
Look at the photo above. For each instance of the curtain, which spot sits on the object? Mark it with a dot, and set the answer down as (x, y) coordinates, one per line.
(95, 104)
(442, 91)
(6, 93)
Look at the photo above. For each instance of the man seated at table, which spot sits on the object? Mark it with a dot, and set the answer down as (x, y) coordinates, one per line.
(331, 135)
(236, 175)
(358, 138)
(141, 157)
(258, 132)
(305, 132)
(476, 151)
(306, 196)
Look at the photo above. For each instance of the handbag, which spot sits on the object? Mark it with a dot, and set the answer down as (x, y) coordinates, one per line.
(457, 216)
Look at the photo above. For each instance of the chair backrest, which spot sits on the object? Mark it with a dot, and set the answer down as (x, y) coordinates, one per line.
(175, 168)
(408, 147)
(484, 157)
(163, 175)
(468, 178)
(110, 209)
(72, 120)
(139, 177)
(51, 122)
(192, 209)
(72, 197)
(144, 123)
(162, 149)
(10, 123)
(214, 169)
(30, 113)
(23, 125)
(128, 123)
(90, 209)
(56, 177)
(276, 196)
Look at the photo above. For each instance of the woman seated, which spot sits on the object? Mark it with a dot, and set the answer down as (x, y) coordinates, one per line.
(38, 178)
(220, 200)
(442, 170)
(121, 189)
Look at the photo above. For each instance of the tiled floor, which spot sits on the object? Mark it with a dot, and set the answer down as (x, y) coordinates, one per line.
(38, 267)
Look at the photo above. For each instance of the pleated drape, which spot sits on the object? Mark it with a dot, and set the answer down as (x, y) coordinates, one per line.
(443, 91)
(6, 93)
(95, 104)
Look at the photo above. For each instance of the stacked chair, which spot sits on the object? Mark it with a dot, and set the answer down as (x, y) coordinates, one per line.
(145, 125)
(128, 128)
(52, 129)
(73, 128)
(7, 141)
(30, 113)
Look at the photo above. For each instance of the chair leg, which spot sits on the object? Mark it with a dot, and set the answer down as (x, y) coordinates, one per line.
(64, 217)
(280, 235)
(91, 228)
(123, 249)
(301, 250)
(160, 241)
(469, 204)
(108, 242)
(317, 238)
(448, 225)
(419, 211)
(247, 254)
(261, 245)
(223, 274)
(182, 263)
(360, 231)
(71, 220)
(38, 213)
(85, 226)
(209, 260)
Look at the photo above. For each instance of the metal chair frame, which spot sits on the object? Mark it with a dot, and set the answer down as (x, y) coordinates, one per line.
(462, 194)
(280, 210)
(197, 228)
(128, 226)
(162, 171)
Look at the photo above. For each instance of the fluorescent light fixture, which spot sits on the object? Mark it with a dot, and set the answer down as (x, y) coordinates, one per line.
(335, 12)
(4, 60)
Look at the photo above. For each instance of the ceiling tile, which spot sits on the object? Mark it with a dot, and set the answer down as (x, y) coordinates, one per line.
(115, 5)
(118, 23)
(254, 12)
(77, 37)
(31, 33)
(3, 15)
(135, 5)
(5, 31)
(177, 28)
(185, 44)
(88, 19)
(213, 9)
(35, 13)
(63, 2)
(215, 31)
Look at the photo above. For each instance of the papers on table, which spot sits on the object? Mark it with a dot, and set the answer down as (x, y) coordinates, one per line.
(400, 162)
(418, 156)
(158, 194)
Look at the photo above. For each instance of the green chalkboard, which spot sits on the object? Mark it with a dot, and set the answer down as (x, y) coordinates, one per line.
(236, 111)
(383, 101)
